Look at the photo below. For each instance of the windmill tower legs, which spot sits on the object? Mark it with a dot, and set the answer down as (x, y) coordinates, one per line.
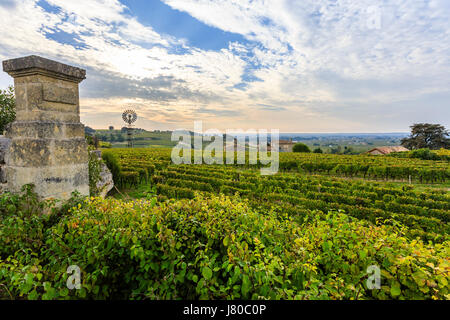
(130, 137)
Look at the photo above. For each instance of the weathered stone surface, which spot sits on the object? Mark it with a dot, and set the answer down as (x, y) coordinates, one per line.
(35, 64)
(50, 182)
(28, 153)
(2, 174)
(44, 116)
(21, 97)
(4, 146)
(35, 129)
(35, 99)
(47, 147)
(71, 151)
(58, 107)
(55, 93)
(106, 182)
(45, 98)
(41, 130)
(73, 130)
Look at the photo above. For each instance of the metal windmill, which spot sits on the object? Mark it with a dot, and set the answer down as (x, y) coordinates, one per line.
(129, 116)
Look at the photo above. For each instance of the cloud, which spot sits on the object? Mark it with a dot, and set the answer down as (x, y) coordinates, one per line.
(161, 88)
(305, 65)
(219, 112)
(267, 107)
(9, 4)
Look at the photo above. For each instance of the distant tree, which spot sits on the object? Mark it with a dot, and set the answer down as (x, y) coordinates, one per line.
(120, 138)
(318, 150)
(424, 154)
(102, 137)
(336, 150)
(7, 107)
(117, 136)
(300, 147)
(348, 150)
(426, 135)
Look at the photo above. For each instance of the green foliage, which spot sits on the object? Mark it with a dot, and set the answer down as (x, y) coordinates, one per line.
(348, 150)
(285, 237)
(112, 163)
(318, 150)
(218, 248)
(337, 150)
(24, 225)
(21, 221)
(300, 147)
(386, 168)
(424, 212)
(24, 221)
(105, 145)
(426, 135)
(120, 138)
(424, 154)
(23, 218)
(7, 107)
(92, 141)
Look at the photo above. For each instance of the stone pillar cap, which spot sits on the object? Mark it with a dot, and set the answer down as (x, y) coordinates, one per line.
(31, 65)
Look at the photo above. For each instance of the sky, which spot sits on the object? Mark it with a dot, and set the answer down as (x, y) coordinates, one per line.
(292, 65)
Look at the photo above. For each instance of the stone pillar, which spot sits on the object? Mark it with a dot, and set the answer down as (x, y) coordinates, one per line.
(48, 146)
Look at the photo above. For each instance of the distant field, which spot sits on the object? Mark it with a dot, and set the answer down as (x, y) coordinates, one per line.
(146, 139)
(352, 144)
(357, 144)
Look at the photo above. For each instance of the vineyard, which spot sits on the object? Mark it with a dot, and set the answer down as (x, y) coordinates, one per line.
(426, 214)
(227, 232)
(135, 162)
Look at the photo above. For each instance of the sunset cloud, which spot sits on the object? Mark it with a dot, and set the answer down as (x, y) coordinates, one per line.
(298, 66)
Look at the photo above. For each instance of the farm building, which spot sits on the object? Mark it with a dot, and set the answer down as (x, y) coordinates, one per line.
(283, 145)
(286, 145)
(386, 150)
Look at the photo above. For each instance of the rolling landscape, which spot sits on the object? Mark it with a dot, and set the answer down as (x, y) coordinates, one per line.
(358, 142)
(225, 159)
